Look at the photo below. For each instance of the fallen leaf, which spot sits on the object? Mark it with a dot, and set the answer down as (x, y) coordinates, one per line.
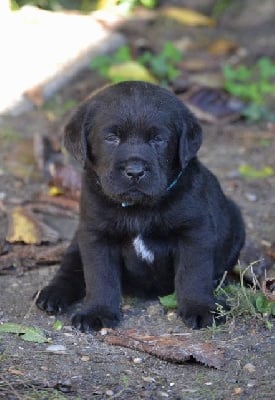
(27, 333)
(187, 17)
(130, 70)
(171, 347)
(169, 301)
(24, 226)
(247, 171)
(57, 325)
(25, 257)
(212, 105)
(15, 371)
(69, 205)
(222, 47)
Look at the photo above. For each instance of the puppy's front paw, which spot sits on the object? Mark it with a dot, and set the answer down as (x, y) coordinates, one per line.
(197, 315)
(55, 299)
(95, 318)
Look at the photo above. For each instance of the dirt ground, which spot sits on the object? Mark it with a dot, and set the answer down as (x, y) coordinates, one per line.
(85, 367)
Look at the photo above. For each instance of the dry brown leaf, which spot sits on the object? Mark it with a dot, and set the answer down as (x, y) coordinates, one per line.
(187, 17)
(201, 64)
(212, 105)
(222, 47)
(24, 226)
(175, 348)
(60, 201)
(25, 257)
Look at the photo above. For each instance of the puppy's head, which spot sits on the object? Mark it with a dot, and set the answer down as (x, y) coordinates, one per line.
(136, 137)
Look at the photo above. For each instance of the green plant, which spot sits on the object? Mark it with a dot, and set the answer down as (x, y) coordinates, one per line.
(242, 300)
(253, 85)
(82, 5)
(161, 65)
(245, 300)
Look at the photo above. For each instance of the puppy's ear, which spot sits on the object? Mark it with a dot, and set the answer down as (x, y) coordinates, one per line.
(75, 134)
(190, 141)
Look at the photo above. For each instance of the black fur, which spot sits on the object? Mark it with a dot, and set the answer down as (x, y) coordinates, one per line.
(133, 140)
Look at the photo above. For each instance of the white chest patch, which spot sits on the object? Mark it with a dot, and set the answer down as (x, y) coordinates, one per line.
(142, 251)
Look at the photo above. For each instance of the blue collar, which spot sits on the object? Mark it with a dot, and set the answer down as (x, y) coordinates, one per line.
(170, 187)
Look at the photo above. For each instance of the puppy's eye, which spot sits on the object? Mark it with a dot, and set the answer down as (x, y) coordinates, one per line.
(112, 139)
(157, 139)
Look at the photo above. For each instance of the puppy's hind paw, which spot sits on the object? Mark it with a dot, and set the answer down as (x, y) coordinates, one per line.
(95, 318)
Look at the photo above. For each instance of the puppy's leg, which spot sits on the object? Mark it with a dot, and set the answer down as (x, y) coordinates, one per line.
(68, 284)
(194, 285)
(101, 264)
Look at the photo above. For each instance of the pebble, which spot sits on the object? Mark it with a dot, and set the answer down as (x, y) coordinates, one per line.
(103, 331)
(137, 360)
(251, 197)
(85, 358)
(249, 367)
(171, 316)
(148, 379)
(109, 393)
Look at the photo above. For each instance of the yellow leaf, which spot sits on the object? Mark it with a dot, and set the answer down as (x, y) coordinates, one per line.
(22, 227)
(55, 191)
(187, 17)
(103, 4)
(130, 71)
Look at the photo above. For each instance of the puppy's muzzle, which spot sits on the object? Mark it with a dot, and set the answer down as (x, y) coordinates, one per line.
(134, 170)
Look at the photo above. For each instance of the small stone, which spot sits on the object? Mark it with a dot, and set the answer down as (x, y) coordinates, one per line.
(208, 383)
(238, 390)
(137, 360)
(249, 367)
(164, 394)
(251, 197)
(109, 393)
(148, 379)
(103, 331)
(172, 384)
(85, 358)
(171, 316)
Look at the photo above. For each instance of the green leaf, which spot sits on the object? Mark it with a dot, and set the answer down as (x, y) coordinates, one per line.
(57, 325)
(249, 172)
(169, 301)
(27, 333)
(149, 3)
(123, 54)
(171, 52)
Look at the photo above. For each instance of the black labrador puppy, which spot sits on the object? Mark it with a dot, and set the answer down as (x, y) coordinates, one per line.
(153, 218)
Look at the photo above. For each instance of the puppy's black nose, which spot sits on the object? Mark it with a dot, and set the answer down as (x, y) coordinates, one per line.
(135, 170)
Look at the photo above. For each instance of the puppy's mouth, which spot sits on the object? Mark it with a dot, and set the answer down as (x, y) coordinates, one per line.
(134, 197)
